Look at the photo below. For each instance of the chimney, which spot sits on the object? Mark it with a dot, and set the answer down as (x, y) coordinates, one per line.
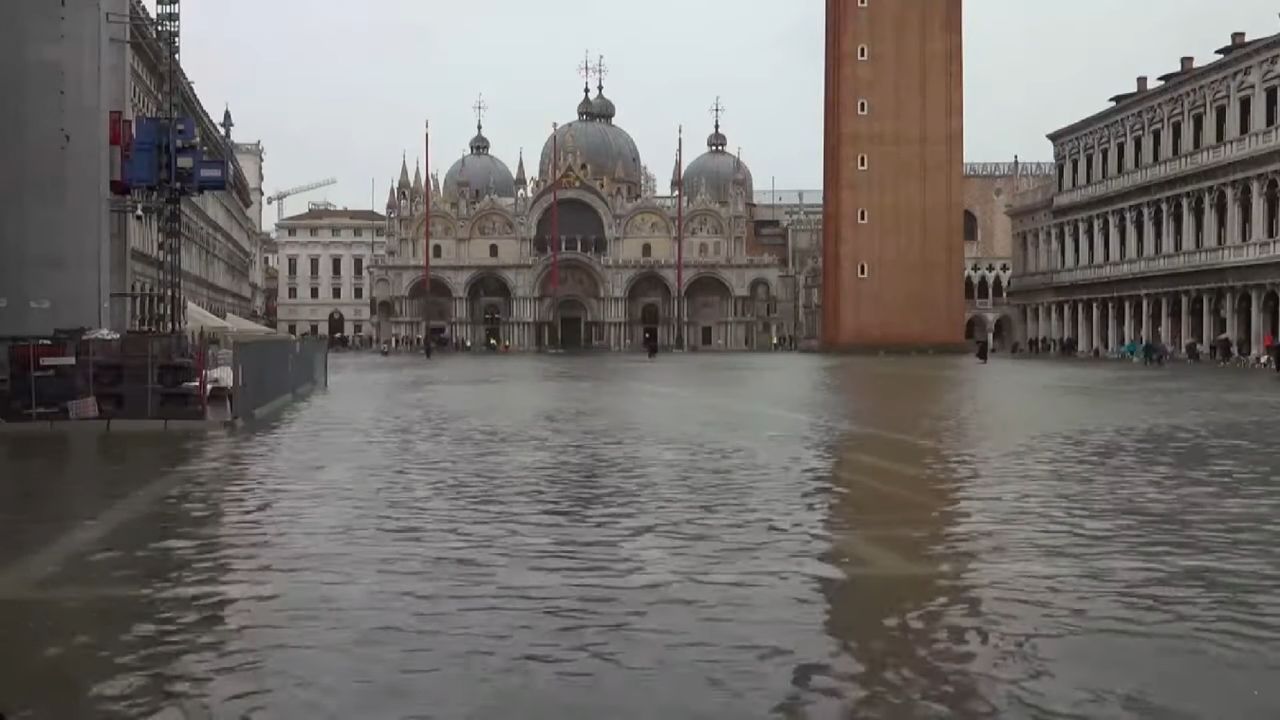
(1237, 39)
(1188, 63)
(1142, 83)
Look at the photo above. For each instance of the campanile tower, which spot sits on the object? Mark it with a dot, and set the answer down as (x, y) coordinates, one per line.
(893, 255)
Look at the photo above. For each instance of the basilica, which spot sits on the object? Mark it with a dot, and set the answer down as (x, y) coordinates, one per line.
(585, 254)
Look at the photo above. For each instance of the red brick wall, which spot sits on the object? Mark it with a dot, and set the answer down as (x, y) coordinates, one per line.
(913, 137)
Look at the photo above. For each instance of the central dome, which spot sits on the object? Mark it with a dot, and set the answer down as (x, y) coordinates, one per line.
(593, 140)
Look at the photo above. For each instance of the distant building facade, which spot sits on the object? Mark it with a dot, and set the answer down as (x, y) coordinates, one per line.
(989, 189)
(494, 278)
(1163, 223)
(326, 262)
(893, 163)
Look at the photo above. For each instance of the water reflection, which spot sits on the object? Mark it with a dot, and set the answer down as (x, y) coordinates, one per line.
(715, 536)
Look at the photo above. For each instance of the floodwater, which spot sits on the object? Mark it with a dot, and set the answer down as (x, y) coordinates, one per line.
(702, 536)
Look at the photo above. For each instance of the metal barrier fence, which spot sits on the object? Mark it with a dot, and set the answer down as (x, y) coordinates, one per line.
(272, 371)
(131, 377)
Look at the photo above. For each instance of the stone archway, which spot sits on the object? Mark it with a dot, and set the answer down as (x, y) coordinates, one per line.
(337, 326)
(649, 309)
(579, 226)
(1271, 316)
(975, 328)
(489, 304)
(709, 303)
(574, 286)
(1243, 331)
(1002, 334)
(430, 314)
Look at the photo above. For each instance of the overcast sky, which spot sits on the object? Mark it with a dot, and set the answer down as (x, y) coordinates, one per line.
(336, 88)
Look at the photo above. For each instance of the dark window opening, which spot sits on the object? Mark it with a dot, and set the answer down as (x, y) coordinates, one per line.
(1273, 105)
(293, 293)
(1197, 131)
(1137, 152)
(1156, 137)
(1220, 124)
(493, 250)
(337, 266)
(1176, 144)
(1246, 114)
(1062, 173)
(646, 250)
(1120, 168)
(357, 266)
(315, 266)
(358, 292)
(1075, 172)
(436, 251)
(970, 227)
(315, 293)
(293, 267)
(1088, 168)
(1106, 158)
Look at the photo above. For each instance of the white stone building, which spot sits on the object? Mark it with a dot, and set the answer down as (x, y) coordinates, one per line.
(1164, 222)
(614, 287)
(326, 261)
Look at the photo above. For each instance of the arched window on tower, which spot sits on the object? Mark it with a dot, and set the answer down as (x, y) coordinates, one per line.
(968, 289)
(436, 251)
(970, 227)
(493, 250)
(646, 250)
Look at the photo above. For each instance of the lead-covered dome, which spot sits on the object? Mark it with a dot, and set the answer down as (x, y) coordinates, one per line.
(718, 171)
(593, 140)
(481, 173)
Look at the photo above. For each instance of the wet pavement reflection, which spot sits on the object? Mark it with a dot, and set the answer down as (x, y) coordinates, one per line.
(703, 536)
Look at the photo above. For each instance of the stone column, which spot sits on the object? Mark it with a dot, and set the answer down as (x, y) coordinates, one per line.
(1207, 334)
(1185, 329)
(1231, 315)
(1146, 319)
(1069, 256)
(1188, 222)
(1095, 340)
(1113, 232)
(1210, 217)
(1255, 322)
(1113, 327)
(1128, 321)
(1166, 319)
(1099, 240)
(1233, 213)
(1042, 322)
(1131, 234)
(1258, 209)
(1054, 334)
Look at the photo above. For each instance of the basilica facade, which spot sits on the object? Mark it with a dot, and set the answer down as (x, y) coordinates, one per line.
(582, 256)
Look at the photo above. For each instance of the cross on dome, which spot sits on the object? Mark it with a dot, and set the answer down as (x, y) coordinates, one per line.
(480, 107)
(600, 71)
(717, 110)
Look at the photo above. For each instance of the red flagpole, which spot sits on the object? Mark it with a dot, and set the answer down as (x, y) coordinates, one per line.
(555, 227)
(680, 238)
(426, 232)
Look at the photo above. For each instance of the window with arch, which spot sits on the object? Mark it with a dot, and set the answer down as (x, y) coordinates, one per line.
(436, 251)
(863, 271)
(863, 107)
(862, 215)
(702, 249)
(863, 52)
(493, 250)
(646, 250)
(863, 162)
(970, 227)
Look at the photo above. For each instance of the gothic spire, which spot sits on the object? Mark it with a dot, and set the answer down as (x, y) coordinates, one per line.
(417, 180)
(521, 181)
(404, 174)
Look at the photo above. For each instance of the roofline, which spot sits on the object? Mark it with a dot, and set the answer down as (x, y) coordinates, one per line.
(1127, 100)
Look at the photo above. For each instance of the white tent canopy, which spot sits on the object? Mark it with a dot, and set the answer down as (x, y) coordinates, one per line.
(200, 319)
(248, 327)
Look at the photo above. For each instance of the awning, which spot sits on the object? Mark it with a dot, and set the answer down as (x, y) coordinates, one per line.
(200, 319)
(243, 325)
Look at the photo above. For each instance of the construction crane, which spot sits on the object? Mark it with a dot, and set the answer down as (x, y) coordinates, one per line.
(278, 198)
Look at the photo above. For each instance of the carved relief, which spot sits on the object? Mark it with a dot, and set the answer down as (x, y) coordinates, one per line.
(646, 224)
(494, 225)
(441, 228)
(705, 225)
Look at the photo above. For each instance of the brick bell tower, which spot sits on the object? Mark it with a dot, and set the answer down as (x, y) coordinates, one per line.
(893, 254)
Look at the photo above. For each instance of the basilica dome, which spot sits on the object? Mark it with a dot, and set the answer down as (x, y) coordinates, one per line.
(480, 172)
(593, 140)
(718, 171)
